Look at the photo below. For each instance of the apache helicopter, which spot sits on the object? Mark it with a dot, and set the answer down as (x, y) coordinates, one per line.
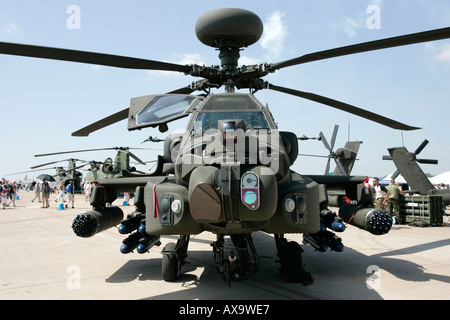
(407, 165)
(343, 157)
(229, 173)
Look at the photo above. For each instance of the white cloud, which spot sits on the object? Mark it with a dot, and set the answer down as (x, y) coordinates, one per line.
(182, 59)
(12, 27)
(351, 26)
(376, 2)
(359, 20)
(275, 32)
(440, 52)
(444, 53)
(189, 58)
(247, 61)
(95, 67)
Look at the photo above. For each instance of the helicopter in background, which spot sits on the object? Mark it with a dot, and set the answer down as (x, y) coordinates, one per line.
(229, 172)
(66, 175)
(407, 165)
(344, 157)
(120, 167)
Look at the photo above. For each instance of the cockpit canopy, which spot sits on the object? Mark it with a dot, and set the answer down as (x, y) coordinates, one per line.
(156, 110)
(152, 111)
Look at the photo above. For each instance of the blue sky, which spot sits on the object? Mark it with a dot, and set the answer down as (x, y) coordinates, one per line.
(43, 102)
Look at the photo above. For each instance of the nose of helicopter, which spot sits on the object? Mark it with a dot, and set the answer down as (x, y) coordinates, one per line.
(225, 194)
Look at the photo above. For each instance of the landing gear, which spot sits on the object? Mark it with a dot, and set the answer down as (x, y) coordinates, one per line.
(235, 267)
(239, 266)
(290, 254)
(174, 256)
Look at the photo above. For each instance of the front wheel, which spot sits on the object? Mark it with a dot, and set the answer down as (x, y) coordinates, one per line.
(170, 263)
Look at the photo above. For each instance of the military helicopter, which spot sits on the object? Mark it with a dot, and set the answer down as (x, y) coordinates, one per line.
(407, 165)
(229, 172)
(343, 157)
(120, 167)
(62, 174)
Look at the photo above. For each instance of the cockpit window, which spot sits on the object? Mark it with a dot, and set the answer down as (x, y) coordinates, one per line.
(228, 102)
(209, 120)
(162, 108)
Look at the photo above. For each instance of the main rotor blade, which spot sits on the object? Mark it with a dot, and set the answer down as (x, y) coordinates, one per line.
(345, 107)
(87, 57)
(312, 155)
(116, 117)
(73, 151)
(433, 35)
(136, 158)
(29, 171)
(46, 164)
(68, 170)
(88, 150)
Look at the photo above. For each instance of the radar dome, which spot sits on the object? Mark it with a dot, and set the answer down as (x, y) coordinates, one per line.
(238, 25)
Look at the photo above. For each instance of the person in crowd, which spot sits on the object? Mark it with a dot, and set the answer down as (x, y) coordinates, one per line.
(37, 191)
(87, 191)
(45, 194)
(13, 189)
(4, 197)
(392, 195)
(70, 190)
(379, 194)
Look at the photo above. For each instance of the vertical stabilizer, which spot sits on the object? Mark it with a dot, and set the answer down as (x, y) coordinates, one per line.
(407, 165)
(347, 157)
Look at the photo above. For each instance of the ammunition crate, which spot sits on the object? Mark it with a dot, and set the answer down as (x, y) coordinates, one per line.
(429, 209)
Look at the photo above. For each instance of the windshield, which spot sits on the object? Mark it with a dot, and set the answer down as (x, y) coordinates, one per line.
(207, 121)
(163, 108)
(230, 102)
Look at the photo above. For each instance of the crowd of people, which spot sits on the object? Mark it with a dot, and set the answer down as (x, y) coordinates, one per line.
(8, 192)
(64, 193)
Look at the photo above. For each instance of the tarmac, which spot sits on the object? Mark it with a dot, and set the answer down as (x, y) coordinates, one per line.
(42, 259)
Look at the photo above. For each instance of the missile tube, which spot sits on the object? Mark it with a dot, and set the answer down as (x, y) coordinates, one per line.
(376, 221)
(89, 223)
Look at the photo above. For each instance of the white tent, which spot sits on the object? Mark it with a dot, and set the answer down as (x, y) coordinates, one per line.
(387, 179)
(441, 178)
